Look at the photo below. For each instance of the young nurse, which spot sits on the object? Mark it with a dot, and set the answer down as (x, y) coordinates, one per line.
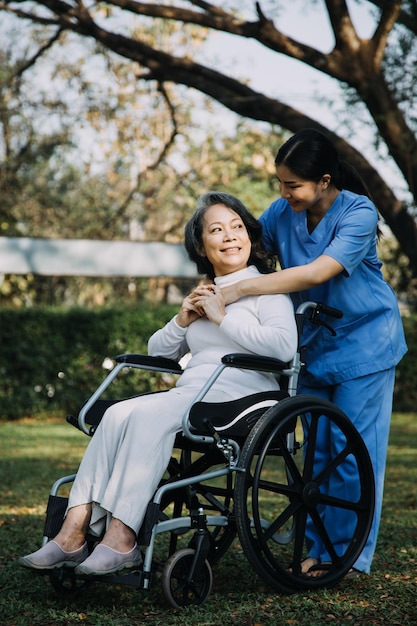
(324, 230)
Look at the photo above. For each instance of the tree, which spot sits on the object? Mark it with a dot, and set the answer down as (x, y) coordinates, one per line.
(366, 66)
(134, 186)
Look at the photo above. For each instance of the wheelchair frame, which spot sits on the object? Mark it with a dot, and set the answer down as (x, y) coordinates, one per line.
(271, 446)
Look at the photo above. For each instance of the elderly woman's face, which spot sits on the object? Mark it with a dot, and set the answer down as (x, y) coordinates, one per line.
(225, 240)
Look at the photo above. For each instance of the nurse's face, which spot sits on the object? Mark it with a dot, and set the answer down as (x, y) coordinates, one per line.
(302, 195)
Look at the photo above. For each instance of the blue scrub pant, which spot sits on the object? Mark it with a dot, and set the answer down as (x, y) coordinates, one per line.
(367, 401)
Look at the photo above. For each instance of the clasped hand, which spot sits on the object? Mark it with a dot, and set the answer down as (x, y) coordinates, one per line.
(205, 301)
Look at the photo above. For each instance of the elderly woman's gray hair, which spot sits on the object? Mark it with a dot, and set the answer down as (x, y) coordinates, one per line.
(259, 256)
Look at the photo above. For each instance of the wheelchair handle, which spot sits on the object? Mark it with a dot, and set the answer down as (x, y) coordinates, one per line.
(319, 307)
(329, 310)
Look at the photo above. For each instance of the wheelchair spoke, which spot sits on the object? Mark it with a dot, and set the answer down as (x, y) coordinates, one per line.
(324, 535)
(281, 520)
(278, 488)
(332, 466)
(347, 505)
(299, 547)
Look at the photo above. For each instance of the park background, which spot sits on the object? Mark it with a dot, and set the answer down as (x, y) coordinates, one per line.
(114, 118)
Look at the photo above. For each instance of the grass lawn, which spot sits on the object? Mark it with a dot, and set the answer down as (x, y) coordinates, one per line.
(35, 453)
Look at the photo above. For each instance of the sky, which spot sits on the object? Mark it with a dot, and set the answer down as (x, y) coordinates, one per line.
(295, 81)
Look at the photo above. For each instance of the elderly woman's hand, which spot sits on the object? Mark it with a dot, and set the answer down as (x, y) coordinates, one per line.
(188, 312)
(208, 299)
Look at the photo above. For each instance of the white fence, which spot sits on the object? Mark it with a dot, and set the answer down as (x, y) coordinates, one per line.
(85, 257)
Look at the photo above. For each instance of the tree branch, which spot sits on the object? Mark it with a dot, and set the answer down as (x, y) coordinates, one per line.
(344, 32)
(389, 17)
(404, 18)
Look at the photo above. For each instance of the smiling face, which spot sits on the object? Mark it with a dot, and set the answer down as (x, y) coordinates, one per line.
(225, 240)
(303, 194)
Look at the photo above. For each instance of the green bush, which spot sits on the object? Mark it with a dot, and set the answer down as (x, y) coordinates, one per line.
(51, 360)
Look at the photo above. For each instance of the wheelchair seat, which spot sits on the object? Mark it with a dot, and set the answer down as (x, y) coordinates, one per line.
(235, 418)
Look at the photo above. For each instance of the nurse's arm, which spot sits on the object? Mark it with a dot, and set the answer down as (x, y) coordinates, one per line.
(289, 280)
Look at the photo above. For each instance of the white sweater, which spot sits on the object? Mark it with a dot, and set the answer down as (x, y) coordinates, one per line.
(263, 325)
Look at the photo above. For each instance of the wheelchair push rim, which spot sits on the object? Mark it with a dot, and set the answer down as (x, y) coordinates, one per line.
(288, 486)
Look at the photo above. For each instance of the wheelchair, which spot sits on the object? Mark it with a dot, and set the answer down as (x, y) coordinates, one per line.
(244, 468)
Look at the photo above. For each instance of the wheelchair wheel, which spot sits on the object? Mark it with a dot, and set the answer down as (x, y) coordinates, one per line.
(293, 491)
(213, 498)
(178, 589)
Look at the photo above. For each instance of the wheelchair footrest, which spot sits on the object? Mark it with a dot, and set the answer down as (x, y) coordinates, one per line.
(133, 578)
(55, 512)
(151, 518)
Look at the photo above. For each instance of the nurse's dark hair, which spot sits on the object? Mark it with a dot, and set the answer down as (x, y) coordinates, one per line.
(259, 256)
(310, 155)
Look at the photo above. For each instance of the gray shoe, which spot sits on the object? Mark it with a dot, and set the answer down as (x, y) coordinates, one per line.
(52, 556)
(104, 560)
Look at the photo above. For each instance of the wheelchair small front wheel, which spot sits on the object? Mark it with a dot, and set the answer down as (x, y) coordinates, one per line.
(179, 589)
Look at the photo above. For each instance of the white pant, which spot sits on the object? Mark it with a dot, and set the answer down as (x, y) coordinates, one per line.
(128, 454)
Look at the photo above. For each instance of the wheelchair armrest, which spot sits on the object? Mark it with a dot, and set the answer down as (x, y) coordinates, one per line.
(154, 362)
(254, 362)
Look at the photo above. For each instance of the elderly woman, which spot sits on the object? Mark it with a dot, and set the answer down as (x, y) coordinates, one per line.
(126, 458)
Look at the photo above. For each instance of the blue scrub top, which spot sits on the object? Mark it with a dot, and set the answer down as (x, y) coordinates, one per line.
(369, 337)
